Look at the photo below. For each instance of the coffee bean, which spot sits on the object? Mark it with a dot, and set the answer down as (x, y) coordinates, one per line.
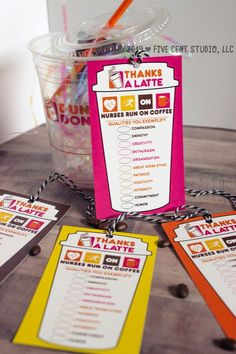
(35, 250)
(120, 226)
(226, 343)
(182, 291)
(93, 221)
(163, 243)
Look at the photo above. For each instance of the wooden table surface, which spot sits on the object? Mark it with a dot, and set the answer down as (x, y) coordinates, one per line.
(173, 326)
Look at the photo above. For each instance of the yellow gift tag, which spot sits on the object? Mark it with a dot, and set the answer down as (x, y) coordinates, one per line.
(93, 295)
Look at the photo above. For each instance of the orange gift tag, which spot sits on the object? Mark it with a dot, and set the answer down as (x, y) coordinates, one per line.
(208, 252)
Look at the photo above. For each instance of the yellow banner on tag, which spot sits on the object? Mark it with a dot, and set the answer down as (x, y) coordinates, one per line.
(93, 295)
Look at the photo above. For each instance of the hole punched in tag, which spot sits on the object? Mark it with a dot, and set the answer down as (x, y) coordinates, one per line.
(137, 58)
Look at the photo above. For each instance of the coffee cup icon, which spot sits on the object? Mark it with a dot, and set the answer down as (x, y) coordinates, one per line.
(85, 240)
(51, 110)
(115, 78)
(193, 231)
(7, 201)
(163, 100)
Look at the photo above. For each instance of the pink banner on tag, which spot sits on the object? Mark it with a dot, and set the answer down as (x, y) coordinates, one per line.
(137, 139)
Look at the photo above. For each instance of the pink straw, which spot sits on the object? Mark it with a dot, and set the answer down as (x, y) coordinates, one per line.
(63, 68)
(65, 17)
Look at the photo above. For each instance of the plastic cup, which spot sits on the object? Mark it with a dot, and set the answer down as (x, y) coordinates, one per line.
(60, 60)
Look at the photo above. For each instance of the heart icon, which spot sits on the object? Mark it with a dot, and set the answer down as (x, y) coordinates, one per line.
(196, 248)
(110, 104)
(73, 255)
(148, 49)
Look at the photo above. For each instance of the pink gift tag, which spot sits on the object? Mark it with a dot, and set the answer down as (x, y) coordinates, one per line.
(137, 141)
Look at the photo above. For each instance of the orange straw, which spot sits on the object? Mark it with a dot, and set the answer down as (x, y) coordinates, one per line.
(112, 21)
(109, 24)
(118, 13)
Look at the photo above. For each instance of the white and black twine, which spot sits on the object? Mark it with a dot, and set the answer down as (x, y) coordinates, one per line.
(182, 212)
(137, 57)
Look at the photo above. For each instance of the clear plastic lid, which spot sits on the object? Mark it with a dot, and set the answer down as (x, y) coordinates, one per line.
(90, 39)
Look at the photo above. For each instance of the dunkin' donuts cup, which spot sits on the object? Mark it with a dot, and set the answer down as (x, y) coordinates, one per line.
(193, 231)
(93, 287)
(85, 240)
(139, 164)
(7, 201)
(61, 63)
(115, 78)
